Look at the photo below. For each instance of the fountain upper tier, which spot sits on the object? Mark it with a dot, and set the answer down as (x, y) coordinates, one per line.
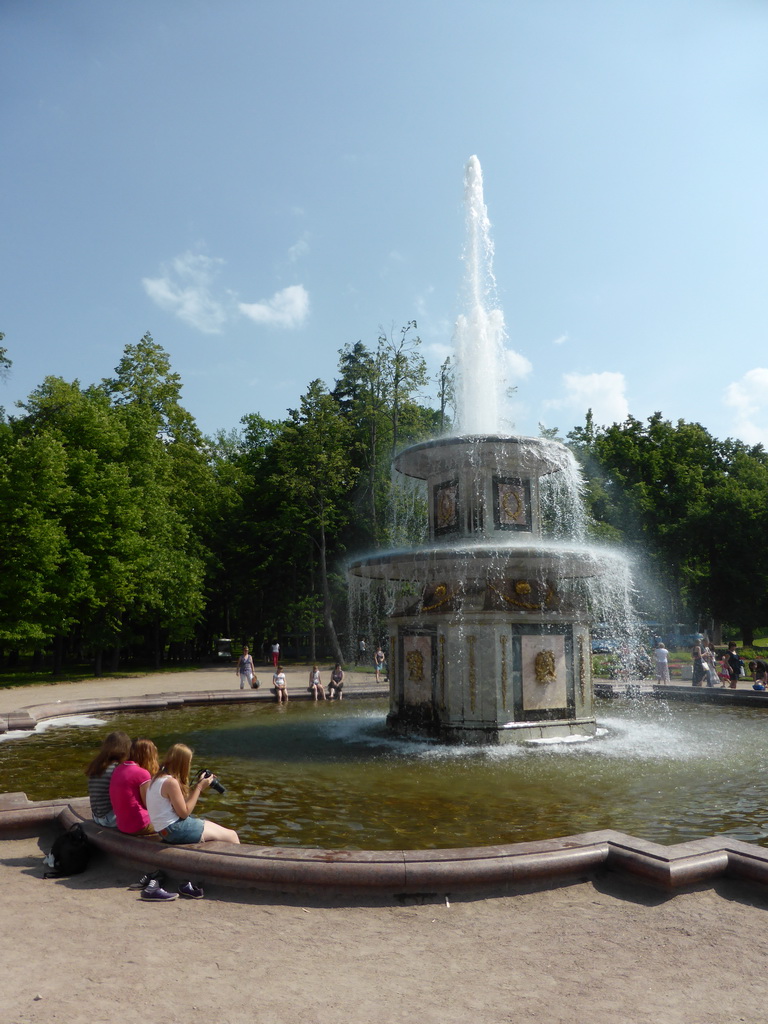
(485, 497)
(492, 487)
(482, 451)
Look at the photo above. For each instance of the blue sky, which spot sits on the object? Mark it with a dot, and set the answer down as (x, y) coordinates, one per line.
(260, 183)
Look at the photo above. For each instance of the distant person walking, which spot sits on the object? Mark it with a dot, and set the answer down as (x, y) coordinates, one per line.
(361, 652)
(245, 669)
(735, 664)
(661, 657)
(275, 653)
(378, 662)
(709, 658)
(700, 667)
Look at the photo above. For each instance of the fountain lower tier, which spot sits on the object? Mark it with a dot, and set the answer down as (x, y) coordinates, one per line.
(481, 561)
(489, 643)
(489, 627)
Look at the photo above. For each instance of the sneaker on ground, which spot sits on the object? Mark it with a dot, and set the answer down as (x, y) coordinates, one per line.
(154, 893)
(144, 881)
(192, 892)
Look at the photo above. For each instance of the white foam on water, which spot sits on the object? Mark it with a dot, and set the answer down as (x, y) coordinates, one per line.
(52, 723)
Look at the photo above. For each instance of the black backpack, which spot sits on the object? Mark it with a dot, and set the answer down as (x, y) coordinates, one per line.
(69, 854)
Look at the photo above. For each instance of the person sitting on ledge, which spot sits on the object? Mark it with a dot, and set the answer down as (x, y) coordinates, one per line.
(125, 789)
(114, 750)
(337, 682)
(278, 681)
(315, 685)
(170, 802)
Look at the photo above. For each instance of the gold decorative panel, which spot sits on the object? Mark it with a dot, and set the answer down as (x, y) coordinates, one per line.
(544, 672)
(446, 507)
(511, 503)
(417, 669)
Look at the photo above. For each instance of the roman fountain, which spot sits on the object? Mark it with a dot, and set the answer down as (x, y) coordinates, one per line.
(490, 661)
(489, 628)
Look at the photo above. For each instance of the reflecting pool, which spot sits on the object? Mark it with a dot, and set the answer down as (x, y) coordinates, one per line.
(331, 775)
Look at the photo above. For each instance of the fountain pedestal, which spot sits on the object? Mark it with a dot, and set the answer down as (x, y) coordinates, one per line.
(489, 636)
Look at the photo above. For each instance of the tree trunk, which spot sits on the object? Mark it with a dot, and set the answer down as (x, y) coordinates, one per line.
(372, 455)
(747, 636)
(115, 658)
(312, 627)
(58, 654)
(327, 607)
(158, 652)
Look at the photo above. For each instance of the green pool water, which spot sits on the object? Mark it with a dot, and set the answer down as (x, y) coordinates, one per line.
(330, 775)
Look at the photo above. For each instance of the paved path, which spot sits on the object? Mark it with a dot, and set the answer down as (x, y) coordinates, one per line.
(218, 677)
(223, 677)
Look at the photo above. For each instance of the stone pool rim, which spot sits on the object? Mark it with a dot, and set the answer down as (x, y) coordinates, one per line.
(300, 869)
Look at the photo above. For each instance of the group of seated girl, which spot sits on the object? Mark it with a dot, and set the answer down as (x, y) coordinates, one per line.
(335, 686)
(132, 791)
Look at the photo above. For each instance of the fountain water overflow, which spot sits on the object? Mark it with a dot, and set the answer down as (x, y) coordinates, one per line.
(489, 627)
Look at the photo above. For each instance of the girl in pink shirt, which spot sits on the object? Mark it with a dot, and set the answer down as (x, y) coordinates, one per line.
(125, 788)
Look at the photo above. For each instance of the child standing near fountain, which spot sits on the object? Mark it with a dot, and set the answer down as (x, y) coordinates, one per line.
(735, 664)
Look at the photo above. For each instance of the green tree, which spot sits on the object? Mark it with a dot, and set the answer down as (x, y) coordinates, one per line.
(405, 373)
(5, 362)
(691, 505)
(42, 579)
(316, 475)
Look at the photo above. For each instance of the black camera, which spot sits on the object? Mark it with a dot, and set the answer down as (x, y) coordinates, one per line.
(216, 786)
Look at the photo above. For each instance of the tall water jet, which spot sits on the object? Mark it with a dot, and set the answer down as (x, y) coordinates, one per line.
(489, 631)
(479, 333)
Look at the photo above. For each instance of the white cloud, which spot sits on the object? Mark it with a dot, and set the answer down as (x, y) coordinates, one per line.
(421, 302)
(747, 398)
(561, 340)
(518, 367)
(286, 308)
(603, 393)
(299, 249)
(439, 351)
(185, 290)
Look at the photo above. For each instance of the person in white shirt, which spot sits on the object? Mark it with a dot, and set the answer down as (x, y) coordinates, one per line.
(661, 656)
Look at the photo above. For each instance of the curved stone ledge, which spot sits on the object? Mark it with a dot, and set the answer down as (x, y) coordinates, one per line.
(552, 861)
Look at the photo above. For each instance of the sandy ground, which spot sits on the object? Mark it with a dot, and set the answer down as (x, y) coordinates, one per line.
(86, 950)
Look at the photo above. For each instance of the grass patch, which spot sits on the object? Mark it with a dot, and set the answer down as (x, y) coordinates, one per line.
(12, 677)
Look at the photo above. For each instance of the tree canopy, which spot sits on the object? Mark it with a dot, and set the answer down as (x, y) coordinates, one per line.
(126, 532)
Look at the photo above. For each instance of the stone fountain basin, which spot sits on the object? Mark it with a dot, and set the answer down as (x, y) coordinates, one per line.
(478, 561)
(698, 862)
